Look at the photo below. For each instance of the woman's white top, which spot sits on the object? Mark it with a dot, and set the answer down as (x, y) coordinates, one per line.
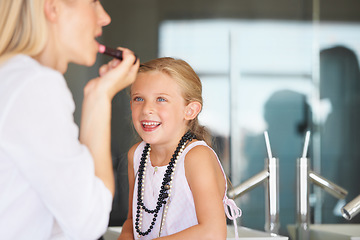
(181, 212)
(48, 189)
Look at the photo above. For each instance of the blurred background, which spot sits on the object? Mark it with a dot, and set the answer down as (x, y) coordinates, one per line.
(284, 66)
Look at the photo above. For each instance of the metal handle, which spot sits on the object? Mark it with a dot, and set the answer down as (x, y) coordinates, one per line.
(248, 184)
(328, 186)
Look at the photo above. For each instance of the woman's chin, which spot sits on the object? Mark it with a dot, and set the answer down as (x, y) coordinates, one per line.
(90, 61)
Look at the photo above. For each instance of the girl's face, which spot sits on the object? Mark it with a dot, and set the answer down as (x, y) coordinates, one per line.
(158, 108)
(80, 23)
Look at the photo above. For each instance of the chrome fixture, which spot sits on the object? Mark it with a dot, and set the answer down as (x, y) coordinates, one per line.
(303, 179)
(351, 209)
(270, 176)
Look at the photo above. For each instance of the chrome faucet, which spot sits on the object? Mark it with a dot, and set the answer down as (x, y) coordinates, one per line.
(351, 209)
(270, 175)
(303, 179)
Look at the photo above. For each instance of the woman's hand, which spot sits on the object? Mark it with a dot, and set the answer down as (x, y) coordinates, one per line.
(115, 75)
(95, 127)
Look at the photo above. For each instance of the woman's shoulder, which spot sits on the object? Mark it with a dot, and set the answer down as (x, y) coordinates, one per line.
(27, 84)
(22, 72)
(23, 64)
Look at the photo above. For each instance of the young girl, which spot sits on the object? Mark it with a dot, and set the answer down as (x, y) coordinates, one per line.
(177, 185)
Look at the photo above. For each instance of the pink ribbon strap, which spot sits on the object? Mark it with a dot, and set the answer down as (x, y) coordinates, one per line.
(233, 214)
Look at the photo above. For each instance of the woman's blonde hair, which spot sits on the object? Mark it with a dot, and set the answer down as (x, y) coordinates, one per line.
(189, 82)
(23, 27)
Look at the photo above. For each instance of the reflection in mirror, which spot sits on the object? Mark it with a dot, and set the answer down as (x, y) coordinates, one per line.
(274, 91)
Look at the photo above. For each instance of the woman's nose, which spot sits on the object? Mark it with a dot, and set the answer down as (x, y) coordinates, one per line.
(104, 18)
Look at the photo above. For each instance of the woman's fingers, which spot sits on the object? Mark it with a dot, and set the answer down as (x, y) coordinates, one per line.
(128, 56)
(116, 74)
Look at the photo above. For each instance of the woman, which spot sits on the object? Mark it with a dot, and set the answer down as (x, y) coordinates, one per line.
(55, 182)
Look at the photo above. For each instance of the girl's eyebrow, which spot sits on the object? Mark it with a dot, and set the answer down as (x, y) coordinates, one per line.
(164, 94)
(135, 94)
(155, 94)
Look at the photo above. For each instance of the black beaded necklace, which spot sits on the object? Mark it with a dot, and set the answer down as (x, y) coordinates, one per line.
(165, 190)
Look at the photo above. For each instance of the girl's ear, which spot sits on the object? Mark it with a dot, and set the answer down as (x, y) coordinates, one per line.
(192, 110)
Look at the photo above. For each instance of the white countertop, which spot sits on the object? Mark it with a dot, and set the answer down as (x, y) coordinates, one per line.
(244, 234)
(330, 231)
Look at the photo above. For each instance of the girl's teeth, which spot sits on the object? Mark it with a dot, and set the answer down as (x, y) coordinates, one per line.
(150, 124)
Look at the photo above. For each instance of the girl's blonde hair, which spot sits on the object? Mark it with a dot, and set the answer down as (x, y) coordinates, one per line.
(189, 82)
(23, 27)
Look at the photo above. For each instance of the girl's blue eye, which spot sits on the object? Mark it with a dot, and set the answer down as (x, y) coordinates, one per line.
(138, 99)
(160, 99)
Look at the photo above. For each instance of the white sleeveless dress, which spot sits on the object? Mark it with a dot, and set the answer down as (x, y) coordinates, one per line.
(181, 212)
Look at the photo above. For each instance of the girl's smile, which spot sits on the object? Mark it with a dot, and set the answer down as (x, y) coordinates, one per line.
(150, 125)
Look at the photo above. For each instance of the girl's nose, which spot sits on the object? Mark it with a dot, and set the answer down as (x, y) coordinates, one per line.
(148, 108)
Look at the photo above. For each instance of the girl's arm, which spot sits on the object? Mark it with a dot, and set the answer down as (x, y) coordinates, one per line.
(207, 184)
(127, 228)
(95, 128)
